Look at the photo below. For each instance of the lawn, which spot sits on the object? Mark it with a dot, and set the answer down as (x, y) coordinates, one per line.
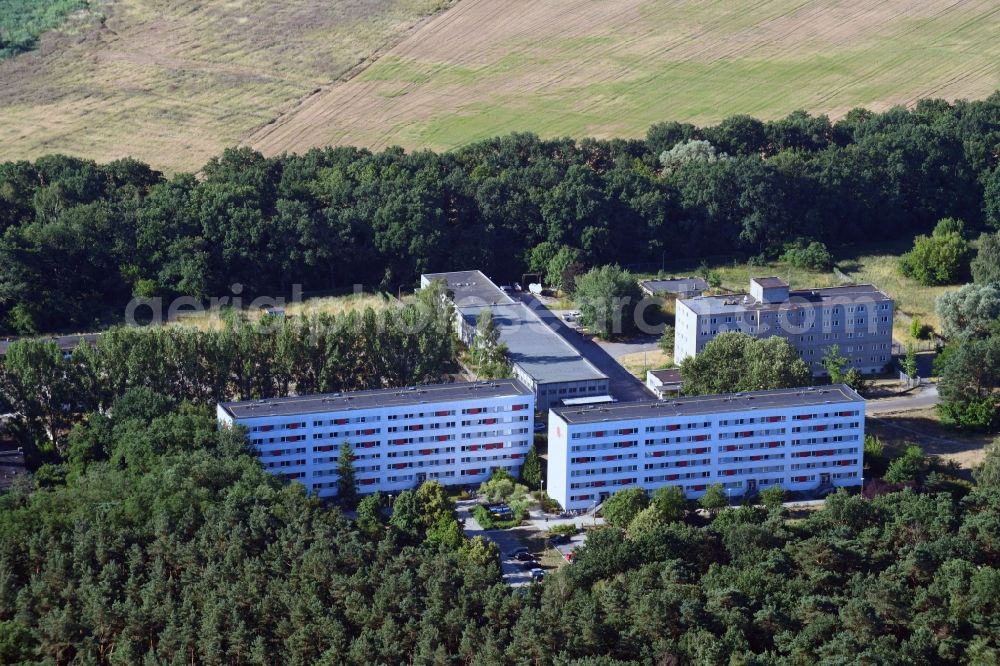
(923, 428)
(584, 68)
(335, 305)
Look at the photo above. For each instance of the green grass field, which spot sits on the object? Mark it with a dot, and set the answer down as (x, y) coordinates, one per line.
(582, 68)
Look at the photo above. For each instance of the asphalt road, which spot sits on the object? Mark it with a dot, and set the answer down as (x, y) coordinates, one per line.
(624, 386)
(924, 398)
(513, 573)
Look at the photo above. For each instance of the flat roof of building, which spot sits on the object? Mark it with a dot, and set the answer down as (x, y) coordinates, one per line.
(668, 375)
(711, 404)
(705, 305)
(772, 282)
(531, 344)
(675, 285)
(393, 397)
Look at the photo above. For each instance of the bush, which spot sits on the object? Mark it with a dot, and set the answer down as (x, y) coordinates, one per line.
(942, 258)
(815, 255)
(567, 529)
(488, 522)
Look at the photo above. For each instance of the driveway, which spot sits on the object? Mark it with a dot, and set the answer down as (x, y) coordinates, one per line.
(922, 398)
(624, 386)
(513, 573)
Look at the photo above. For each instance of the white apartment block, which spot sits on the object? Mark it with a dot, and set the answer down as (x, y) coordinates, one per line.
(800, 439)
(858, 319)
(456, 434)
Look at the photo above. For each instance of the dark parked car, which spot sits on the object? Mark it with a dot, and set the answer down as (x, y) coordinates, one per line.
(529, 565)
(537, 574)
(524, 556)
(559, 539)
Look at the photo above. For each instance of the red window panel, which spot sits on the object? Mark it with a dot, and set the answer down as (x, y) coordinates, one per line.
(474, 410)
(402, 440)
(698, 488)
(293, 426)
(367, 482)
(658, 454)
(672, 477)
(820, 428)
(518, 408)
(701, 450)
(399, 465)
(369, 431)
(598, 484)
(746, 433)
(441, 413)
(804, 417)
(340, 421)
(731, 447)
(729, 472)
(368, 445)
(416, 427)
(426, 452)
(609, 457)
(442, 438)
(773, 445)
(474, 447)
(800, 479)
(773, 419)
(515, 455)
(756, 457)
(673, 426)
(266, 428)
(700, 438)
(599, 433)
(682, 463)
(489, 421)
(844, 463)
(325, 447)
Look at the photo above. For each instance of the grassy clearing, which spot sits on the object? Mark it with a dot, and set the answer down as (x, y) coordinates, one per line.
(336, 305)
(639, 362)
(923, 428)
(579, 68)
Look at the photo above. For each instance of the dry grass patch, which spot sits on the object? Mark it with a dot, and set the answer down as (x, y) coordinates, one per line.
(638, 363)
(923, 428)
(173, 82)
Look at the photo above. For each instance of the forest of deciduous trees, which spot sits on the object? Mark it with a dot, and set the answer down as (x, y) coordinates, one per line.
(78, 239)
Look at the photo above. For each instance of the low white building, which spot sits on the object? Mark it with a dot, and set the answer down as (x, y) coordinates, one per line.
(665, 383)
(800, 439)
(456, 434)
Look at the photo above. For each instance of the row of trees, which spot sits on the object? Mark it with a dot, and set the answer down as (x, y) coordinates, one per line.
(245, 360)
(78, 239)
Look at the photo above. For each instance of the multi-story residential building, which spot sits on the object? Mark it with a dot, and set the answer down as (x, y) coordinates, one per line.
(456, 434)
(538, 356)
(858, 319)
(800, 439)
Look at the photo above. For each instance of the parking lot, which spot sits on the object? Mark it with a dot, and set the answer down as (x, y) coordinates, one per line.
(530, 536)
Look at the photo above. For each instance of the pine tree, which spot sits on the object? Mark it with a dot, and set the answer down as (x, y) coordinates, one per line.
(347, 491)
(531, 470)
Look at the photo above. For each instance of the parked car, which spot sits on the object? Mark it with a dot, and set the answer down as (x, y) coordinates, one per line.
(529, 565)
(537, 574)
(559, 539)
(517, 286)
(517, 551)
(524, 556)
(540, 427)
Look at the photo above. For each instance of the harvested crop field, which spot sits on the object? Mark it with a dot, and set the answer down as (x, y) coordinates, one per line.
(173, 82)
(613, 67)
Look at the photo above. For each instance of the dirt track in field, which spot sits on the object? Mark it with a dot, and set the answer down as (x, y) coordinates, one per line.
(612, 67)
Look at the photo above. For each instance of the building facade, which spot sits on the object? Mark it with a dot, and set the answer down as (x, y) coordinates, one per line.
(456, 434)
(799, 439)
(539, 357)
(858, 319)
